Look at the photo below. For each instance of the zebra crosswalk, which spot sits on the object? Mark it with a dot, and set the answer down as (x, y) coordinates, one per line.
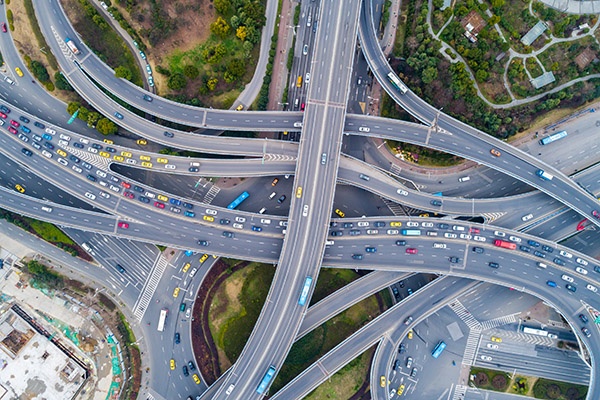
(150, 287)
(471, 347)
(459, 392)
(504, 320)
(465, 315)
(394, 207)
(211, 194)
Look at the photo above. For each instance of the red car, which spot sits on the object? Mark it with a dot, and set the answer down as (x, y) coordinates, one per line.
(12, 130)
(411, 250)
(129, 195)
(4, 27)
(596, 214)
(15, 123)
(159, 204)
(126, 185)
(2, 115)
(474, 230)
(123, 225)
(302, 107)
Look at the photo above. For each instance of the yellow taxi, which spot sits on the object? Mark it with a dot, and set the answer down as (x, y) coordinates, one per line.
(126, 154)
(395, 224)
(203, 258)
(299, 192)
(424, 215)
(104, 154)
(186, 267)
(142, 142)
(145, 158)
(162, 160)
(382, 381)
(401, 390)
(495, 153)
(209, 218)
(146, 164)
(20, 188)
(19, 72)
(215, 256)
(119, 158)
(108, 141)
(162, 197)
(340, 213)
(239, 108)
(410, 334)
(172, 364)
(61, 153)
(496, 339)
(176, 292)
(196, 379)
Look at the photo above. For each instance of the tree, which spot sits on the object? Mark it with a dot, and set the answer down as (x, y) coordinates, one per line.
(237, 68)
(93, 118)
(61, 82)
(123, 72)
(106, 127)
(241, 33)
(191, 71)
(222, 6)
(39, 71)
(176, 81)
(212, 84)
(73, 106)
(429, 75)
(255, 11)
(219, 27)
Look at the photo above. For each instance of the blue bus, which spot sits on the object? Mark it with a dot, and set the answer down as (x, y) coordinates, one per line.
(266, 380)
(411, 232)
(438, 349)
(305, 290)
(238, 201)
(554, 137)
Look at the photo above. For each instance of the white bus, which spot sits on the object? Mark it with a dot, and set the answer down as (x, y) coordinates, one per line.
(162, 319)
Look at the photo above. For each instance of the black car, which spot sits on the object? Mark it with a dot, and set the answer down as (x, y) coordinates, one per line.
(177, 338)
(379, 224)
(436, 203)
(494, 265)
(547, 248)
(583, 318)
(147, 98)
(597, 268)
(558, 261)
(478, 250)
(5, 109)
(74, 158)
(443, 226)
(27, 152)
(337, 233)
(185, 371)
(571, 287)
(192, 366)
(357, 256)
(401, 284)
(39, 125)
(228, 234)
(92, 178)
(97, 146)
(453, 259)
(168, 134)
(539, 254)
(78, 145)
(400, 242)
(402, 348)
(347, 225)
(138, 189)
(144, 199)
(203, 242)
(224, 221)
(193, 169)
(24, 119)
(111, 150)
(408, 320)
(354, 232)
(188, 206)
(120, 268)
(86, 165)
(49, 145)
(333, 224)
(586, 332)
(396, 364)
(281, 199)
(525, 249)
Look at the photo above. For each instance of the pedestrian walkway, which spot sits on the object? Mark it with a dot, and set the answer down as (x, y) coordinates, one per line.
(211, 194)
(280, 70)
(504, 320)
(459, 392)
(150, 287)
(465, 315)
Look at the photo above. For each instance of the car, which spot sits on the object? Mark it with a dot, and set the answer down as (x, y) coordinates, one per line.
(147, 98)
(19, 188)
(495, 153)
(27, 152)
(465, 236)
(408, 320)
(281, 199)
(412, 224)
(36, 145)
(118, 115)
(224, 221)
(323, 158)
(172, 364)
(228, 234)
(158, 204)
(571, 287)
(168, 134)
(305, 49)
(185, 370)
(197, 380)
(409, 362)
(453, 259)
(514, 239)
(401, 389)
(357, 256)
(402, 192)
(567, 278)
(176, 292)
(182, 307)
(19, 72)
(256, 228)
(583, 318)
(191, 366)
(565, 254)
(436, 203)
(190, 214)
(372, 231)
(382, 381)
(401, 348)
(371, 249)
(400, 242)
(539, 254)
(551, 283)
(486, 358)
(559, 261)
(591, 288)
(526, 249)
(492, 346)
(186, 267)
(230, 389)
(581, 261)
(274, 181)
(337, 233)
(478, 250)
(354, 232)
(203, 258)
(582, 271)
(413, 373)
(123, 225)
(410, 332)
(450, 235)
(302, 106)
(527, 217)
(586, 332)
(392, 231)
(595, 213)
(364, 177)
(340, 213)
(533, 243)
(547, 248)
(272, 195)
(496, 339)
(4, 27)
(49, 145)
(479, 238)
(193, 272)
(78, 145)
(189, 206)
(193, 169)
(395, 224)
(128, 194)
(494, 265)
(15, 123)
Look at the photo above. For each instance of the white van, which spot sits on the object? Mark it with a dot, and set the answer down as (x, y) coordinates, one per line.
(265, 221)
(262, 210)
(47, 209)
(194, 164)
(458, 228)
(542, 265)
(464, 179)
(439, 245)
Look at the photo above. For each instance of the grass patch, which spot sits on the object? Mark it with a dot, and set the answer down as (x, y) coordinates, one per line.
(321, 340)
(549, 389)
(49, 232)
(37, 32)
(330, 280)
(490, 379)
(346, 382)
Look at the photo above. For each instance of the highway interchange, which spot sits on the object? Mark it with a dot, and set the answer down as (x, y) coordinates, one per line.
(323, 124)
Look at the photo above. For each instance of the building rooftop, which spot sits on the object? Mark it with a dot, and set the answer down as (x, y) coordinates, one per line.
(543, 80)
(534, 33)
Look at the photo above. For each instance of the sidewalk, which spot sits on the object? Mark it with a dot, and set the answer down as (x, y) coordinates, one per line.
(284, 43)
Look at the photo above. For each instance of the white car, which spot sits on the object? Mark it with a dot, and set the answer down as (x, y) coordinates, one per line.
(492, 346)
(90, 196)
(240, 219)
(527, 217)
(582, 271)
(427, 224)
(305, 210)
(486, 358)
(50, 131)
(211, 212)
(412, 224)
(372, 231)
(92, 150)
(363, 224)
(63, 143)
(364, 129)
(150, 195)
(565, 254)
(103, 183)
(65, 137)
(230, 389)
(105, 195)
(567, 278)
(115, 188)
(439, 245)
(393, 231)
(450, 235)
(402, 192)
(592, 288)
(193, 272)
(101, 173)
(479, 238)
(465, 236)
(76, 169)
(514, 239)
(238, 226)
(307, 78)
(188, 312)
(499, 234)
(84, 140)
(581, 261)
(170, 166)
